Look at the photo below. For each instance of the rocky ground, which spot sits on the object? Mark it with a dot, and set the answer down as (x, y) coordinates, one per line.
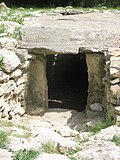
(61, 134)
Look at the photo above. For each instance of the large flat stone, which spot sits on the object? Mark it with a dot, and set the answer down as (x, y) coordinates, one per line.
(69, 34)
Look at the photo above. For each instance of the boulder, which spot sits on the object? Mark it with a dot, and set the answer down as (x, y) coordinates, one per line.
(99, 150)
(10, 60)
(8, 43)
(46, 156)
(5, 154)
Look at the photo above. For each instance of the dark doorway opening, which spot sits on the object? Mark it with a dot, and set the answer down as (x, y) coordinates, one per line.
(67, 78)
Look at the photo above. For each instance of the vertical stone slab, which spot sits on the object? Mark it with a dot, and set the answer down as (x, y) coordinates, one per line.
(37, 99)
(95, 63)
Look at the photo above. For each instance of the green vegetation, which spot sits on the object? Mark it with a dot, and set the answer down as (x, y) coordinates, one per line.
(72, 151)
(24, 135)
(26, 155)
(75, 3)
(3, 139)
(2, 28)
(102, 124)
(13, 15)
(69, 153)
(7, 123)
(17, 34)
(1, 62)
(116, 140)
(49, 148)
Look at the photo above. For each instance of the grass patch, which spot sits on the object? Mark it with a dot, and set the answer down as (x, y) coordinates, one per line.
(69, 153)
(72, 151)
(2, 28)
(102, 124)
(116, 140)
(83, 140)
(49, 148)
(5, 123)
(3, 139)
(24, 135)
(26, 155)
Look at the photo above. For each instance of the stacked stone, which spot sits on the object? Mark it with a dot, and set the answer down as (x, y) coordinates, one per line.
(113, 82)
(13, 79)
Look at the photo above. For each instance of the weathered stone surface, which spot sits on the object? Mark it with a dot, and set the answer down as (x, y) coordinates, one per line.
(3, 77)
(95, 76)
(37, 87)
(114, 73)
(17, 73)
(6, 110)
(24, 55)
(99, 150)
(3, 6)
(115, 62)
(115, 89)
(46, 156)
(10, 59)
(45, 136)
(98, 146)
(114, 51)
(20, 81)
(66, 34)
(107, 133)
(96, 107)
(115, 81)
(19, 89)
(7, 87)
(17, 109)
(1, 103)
(67, 132)
(117, 109)
(5, 155)
(25, 65)
(19, 143)
(114, 100)
(8, 43)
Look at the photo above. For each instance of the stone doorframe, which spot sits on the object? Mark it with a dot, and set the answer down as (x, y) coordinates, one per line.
(37, 99)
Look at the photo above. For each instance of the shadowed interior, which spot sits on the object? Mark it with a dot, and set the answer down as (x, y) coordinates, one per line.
(67, 78)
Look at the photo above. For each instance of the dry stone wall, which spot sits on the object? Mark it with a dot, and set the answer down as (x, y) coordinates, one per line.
(112, 83)
(13, 79)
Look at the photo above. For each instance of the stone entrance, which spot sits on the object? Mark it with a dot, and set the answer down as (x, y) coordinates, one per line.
(74, 35)
(69, 81)
(25, 84)
(67, 78)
